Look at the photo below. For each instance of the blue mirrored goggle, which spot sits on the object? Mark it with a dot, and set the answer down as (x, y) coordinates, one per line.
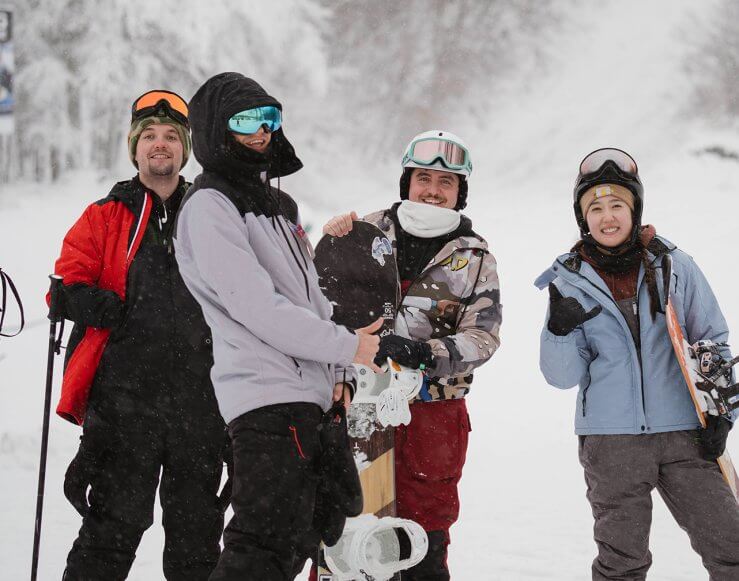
(249, 121)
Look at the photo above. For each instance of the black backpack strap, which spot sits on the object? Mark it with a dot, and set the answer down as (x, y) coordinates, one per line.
(5, 282)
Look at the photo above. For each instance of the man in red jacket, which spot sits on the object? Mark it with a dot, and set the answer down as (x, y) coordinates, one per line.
(137, 370)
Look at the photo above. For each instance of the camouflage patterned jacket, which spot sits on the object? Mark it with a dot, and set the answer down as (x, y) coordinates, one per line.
(454, 305)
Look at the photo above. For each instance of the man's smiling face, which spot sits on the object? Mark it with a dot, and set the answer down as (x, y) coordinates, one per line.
(434, 187)
(258, 141)
(159, 151)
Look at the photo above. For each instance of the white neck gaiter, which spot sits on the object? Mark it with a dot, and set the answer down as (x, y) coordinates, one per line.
(427, 221)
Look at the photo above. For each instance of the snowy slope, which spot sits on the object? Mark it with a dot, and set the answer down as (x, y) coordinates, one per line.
(614, 80)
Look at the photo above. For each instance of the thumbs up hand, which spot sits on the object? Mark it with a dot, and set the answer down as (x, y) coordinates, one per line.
(565, 313)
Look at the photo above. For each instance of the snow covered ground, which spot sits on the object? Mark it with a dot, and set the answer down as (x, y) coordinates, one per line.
(614, 82)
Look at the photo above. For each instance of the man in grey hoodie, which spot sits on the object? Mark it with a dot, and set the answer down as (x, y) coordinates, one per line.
(279, 361)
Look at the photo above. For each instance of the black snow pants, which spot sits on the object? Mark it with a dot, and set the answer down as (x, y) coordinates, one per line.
(276, 451)
(122, 499)
(433, 567)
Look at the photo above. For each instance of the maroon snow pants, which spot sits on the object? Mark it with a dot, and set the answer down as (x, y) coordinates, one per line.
(429, 456)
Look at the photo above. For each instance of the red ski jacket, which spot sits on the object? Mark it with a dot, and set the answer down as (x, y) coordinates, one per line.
(97, 251)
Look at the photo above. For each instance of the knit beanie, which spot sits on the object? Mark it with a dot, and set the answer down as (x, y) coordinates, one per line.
(602, 191)
(138, 126)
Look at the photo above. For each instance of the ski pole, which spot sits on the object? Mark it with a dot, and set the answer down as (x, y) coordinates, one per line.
(54, 348)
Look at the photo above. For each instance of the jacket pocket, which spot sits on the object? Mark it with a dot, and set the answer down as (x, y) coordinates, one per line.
(585, 399)
(584, 392)
(588, 448)
(298, 368)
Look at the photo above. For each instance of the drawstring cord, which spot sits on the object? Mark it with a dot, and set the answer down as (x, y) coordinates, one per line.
(275, 203)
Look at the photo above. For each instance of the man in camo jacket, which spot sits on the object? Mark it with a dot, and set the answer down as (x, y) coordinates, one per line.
(448, 322)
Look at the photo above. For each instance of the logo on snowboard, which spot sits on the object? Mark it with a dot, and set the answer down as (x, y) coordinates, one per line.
(381, 247)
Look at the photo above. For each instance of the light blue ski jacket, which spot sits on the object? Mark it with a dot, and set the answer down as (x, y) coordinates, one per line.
(624, 390)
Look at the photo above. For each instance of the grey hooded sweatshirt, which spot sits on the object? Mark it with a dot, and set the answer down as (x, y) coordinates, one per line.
(246, 260)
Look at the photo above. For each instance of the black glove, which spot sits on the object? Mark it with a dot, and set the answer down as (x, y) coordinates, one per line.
(412, 354)
(339, 493)
(80, 473)
(337, 461)
(328, 520)
(224, 498)
(712, 439)
(95, 443)
(565, 313)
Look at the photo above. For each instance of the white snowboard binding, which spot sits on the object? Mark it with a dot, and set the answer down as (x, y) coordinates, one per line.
(375, 549)
(718, 397)
(390, 391)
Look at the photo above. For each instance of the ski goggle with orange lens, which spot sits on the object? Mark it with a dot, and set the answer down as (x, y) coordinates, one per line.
(595, 160)
(249, 121)
(427, 151)
(160, 103)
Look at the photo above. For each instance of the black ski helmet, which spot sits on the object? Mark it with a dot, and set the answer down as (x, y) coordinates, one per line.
(608, 165)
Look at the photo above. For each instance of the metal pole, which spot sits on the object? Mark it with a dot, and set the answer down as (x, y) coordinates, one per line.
(53, 349)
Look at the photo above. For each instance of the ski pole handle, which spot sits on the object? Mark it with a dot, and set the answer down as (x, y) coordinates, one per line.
(55, 297)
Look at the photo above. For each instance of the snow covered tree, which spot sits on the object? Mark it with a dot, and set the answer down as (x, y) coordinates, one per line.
(81, 65)
(715, 65)
(381, 69)
(407, 66)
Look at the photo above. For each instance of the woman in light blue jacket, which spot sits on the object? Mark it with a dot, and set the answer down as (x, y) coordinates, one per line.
(637, 426)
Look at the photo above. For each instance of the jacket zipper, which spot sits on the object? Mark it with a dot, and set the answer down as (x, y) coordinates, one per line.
(138, 228)
(636, 348)
(167, 241)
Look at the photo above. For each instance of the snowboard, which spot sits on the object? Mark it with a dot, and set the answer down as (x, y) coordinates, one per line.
(707, 392)
(359, 276)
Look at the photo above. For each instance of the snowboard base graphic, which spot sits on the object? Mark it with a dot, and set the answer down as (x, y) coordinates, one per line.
(358, 274)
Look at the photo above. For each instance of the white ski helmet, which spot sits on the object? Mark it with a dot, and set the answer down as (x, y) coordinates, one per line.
(438, 149)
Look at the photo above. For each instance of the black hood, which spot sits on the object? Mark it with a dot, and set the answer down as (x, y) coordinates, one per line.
(213, 105)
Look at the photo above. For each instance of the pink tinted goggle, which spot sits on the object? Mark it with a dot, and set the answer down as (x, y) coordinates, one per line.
(427, 151)
(595, 160)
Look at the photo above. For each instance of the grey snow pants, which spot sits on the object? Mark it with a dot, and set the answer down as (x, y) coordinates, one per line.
(622, 470)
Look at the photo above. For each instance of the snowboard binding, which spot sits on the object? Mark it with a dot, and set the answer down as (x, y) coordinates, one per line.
(390, 391)
(374, 549)
(714, 378)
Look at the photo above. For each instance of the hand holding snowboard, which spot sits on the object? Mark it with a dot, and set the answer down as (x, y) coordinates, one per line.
(340, 225)
(368, 345)
(712, 438)
(408, 353)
